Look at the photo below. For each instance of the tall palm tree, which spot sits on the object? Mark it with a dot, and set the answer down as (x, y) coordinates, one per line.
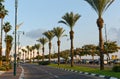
(100, 6)
(49, 35)
(6, 27)
(3, 12)
(59, 32)
(8, 41)
(70, 19)
(43, 41)
(37, 46)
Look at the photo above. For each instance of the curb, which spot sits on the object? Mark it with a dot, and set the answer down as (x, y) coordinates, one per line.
(22, 73)
(1, 72)
(86, 73)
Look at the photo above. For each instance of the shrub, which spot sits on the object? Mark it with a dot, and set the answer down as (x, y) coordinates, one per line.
(116, 68)
(44, 63)
(3, 68)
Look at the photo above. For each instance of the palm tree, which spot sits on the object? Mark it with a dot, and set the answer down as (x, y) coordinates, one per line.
(6, 27)
(33, 48)
(30, 54)
(58, 31)
(43, 41)
(3, 12)
(28, 50)
(100, 6)
(1, 1)
(8, 41)
(37, 46)
(49, 35)
(70, 19)
(24, 56)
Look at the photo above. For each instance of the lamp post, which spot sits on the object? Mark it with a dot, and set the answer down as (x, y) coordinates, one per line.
(18, 33)
(16, 6)
(108, 57)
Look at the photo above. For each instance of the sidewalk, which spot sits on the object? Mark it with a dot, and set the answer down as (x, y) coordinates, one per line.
(9, 74)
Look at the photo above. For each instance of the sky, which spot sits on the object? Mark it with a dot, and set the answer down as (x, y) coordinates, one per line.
(39, 16)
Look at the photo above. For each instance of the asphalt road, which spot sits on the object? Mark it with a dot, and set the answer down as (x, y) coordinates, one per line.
(32, 71)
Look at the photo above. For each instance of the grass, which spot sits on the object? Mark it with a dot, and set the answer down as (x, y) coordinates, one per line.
(106, 71)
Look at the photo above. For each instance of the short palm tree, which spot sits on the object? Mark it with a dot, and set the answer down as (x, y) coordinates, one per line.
(100, 6)
(33, 48)
(3, 12)
(37, 46)
(6, 27)
(8, 41)
(24, 55)
(49, 35)
(70, 19)
(59, 32)
(30, 54)
(43, 41)
(28, 50)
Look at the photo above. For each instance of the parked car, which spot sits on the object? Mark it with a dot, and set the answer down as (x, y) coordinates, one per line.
(116, 61)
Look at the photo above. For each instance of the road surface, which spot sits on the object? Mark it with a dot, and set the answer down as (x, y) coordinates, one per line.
(32, 71)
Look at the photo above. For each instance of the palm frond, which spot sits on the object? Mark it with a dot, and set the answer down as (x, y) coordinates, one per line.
(70, 19)
(49, 34)
(58, 31)
(99, 5)
(61, 21)
(42, 40)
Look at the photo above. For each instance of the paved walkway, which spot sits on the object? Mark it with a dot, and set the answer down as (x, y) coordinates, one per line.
(9, 74)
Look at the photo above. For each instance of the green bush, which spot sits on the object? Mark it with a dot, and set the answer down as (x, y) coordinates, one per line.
(116, 68)
(44, 63)
(3, 68)
(7, 66)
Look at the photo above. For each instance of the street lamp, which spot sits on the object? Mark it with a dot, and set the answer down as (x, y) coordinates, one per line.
(18, 33)
(16, 6)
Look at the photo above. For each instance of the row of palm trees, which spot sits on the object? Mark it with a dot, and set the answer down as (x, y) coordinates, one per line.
(58, 32)
(29, 52)
(8, 38)
(89, 49)
(70, 19)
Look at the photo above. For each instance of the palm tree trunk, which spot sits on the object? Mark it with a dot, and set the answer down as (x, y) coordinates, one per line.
(50, 51)
(1, 43)
(23, 57)
(72, 49)
(92, 57)
(43, 54)
(38, 55)
(100, 26)
(58, 42)
(30, 57)
(33, 57)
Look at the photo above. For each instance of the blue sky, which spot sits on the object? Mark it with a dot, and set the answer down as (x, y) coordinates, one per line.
(42, 15)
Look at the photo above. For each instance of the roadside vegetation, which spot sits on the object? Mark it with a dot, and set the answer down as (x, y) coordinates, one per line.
(106, 71)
